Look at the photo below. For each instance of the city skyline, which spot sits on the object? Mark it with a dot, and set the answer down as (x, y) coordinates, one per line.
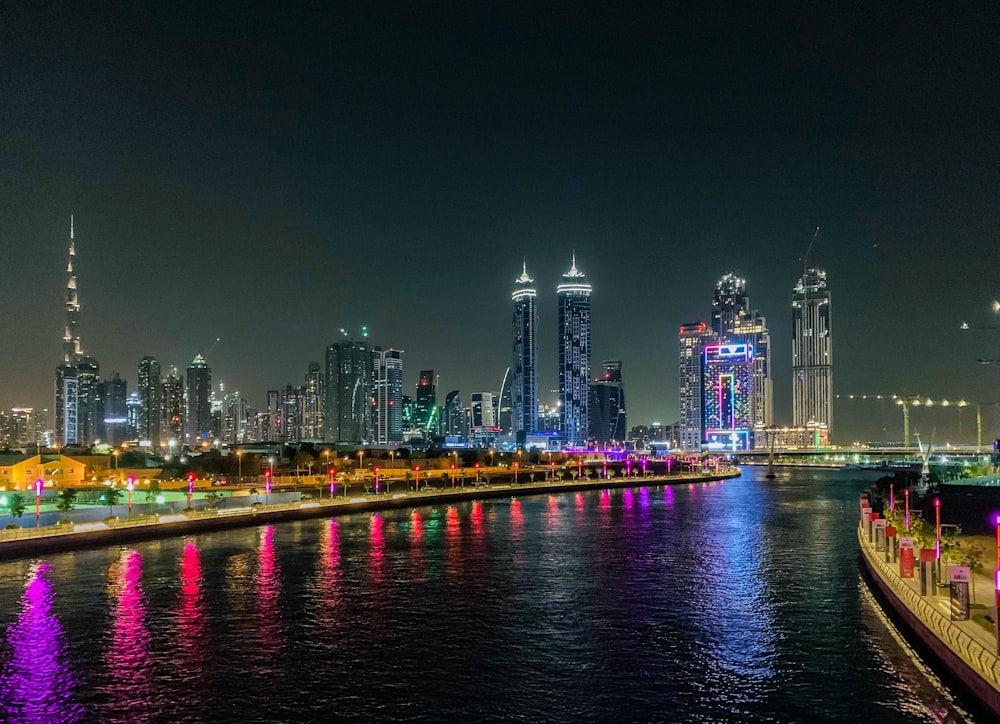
(268, 192)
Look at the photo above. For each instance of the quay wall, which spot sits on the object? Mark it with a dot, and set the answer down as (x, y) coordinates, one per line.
(967, 660)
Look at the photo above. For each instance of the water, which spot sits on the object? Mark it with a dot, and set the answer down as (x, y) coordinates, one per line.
(734, 601)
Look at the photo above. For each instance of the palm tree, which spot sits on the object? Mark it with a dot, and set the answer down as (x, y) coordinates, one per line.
(256, 493)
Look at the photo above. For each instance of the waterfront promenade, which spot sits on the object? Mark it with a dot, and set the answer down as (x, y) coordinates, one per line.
(24, 542)
(969, 648)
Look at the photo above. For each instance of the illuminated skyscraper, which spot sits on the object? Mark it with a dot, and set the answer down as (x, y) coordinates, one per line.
(150, 399)
(172, 414)
(693, 338)
(812, 352)
(113, 410)
(574, 356)
(312, 404)
(425, 412)
(727, 382)
(67, 391)
(524, 385)
(734, 320)
(90, 423)
(388, 403)
(347, 416)
(198, 405)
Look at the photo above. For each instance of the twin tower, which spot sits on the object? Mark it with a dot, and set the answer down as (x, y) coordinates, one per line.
(574, 357)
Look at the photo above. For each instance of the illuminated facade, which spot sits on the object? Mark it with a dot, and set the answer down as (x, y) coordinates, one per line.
(812, 352)
(66, 386)
(114, 410)
(388, 403)
(727, 401)
(312, 404)
(172, 412)
(347, 413)
(693, 338)
(198, 407)
(734, 320)
(574, 356)
(524, 385)
(150, 400)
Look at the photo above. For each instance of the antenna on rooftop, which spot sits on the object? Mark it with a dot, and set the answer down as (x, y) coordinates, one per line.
(805, 259)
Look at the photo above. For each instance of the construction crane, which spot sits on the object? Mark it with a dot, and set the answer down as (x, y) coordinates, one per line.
(908, 401)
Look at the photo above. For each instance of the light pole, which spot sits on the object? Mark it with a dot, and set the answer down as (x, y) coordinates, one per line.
(376, 479)
(454, 466)
(477, 472)
(239, 463)
(937, 536)
(906, 495)
(892, 496)
(191, 477)
(333, 477)
(38, 500)
(267, 486)
(131, 487)
(516, 466)
(416, 487)
(115, 456)
(491, 457)
(996, 588)
(453, 476)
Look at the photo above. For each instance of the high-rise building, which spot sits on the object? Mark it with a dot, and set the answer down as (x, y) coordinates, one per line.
(113, 412)
(453, 418)
(234, 418)
(425, 412)
(134, 409)
(347, 413)
(275, 416)
(728, 376)
(90, 421)
(608, 419)
(67, 389)
(172, 414)
(524, 385)
(574, 356)
(388, 403)
(312, 404)
(151, 400)
(693, 338)
(734, 320)
(812, 351)
(198, 405)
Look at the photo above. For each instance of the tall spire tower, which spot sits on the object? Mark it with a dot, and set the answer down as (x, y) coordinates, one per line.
(574, 356)
(67, 402)
(71, 338)
(524, 390)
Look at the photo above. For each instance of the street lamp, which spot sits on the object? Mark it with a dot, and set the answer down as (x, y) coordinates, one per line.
(996, 588)
(333, 477)
(454, 466)
(115, 455)
(516, 466)
(376, 479)
(267, 486)
(416, 486)
(491, 457)
(906, 495)
(131, 487)
(239, 462)
(892, 496)
(191, 477)
(477, 472)
(453, 476)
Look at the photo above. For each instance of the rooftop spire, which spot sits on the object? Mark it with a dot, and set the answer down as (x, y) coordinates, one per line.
(71, 337)
(524, 278)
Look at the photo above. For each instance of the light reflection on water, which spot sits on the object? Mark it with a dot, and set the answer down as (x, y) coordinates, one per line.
(732, 601)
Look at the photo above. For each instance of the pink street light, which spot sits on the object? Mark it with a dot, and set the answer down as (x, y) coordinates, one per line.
(892, 496)
(131, 487)
(38, 500)
(906, 494)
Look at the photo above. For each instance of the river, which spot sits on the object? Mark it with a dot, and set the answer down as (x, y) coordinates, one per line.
(739, 600)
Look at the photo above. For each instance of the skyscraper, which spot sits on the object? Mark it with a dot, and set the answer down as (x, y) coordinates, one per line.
(608, 419)
(812, 351)
(67, 391)
(113, 410)
(347, 415)
(425, 417)
(198, 406)
(90, 423)
(574, 356)
(312, 404)
(693, 338)
(172, 415)
(388, 403)
(734, 320)
(150, 399)
(727, 374)
(524, 385)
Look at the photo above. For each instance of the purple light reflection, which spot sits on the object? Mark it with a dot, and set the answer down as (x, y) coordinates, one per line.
(192, 627)
(269, 631)
(417, 566)
(36, 681)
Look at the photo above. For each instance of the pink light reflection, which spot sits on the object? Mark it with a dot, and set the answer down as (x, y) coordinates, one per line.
(36, 681)
(376, 558)
(130, 666)
(328, 581)
(418, 567)
(192, 629)
(452, 539)
(268, 629)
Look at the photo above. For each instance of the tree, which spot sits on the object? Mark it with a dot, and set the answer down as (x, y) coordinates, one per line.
(588, 473)
(111, 497)
(66, 499)
(611, 473)
(256, 493)
(560, 474)
(15, 504)
(153, 491)
(211, 499)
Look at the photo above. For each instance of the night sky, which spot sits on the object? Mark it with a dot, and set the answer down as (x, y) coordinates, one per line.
(269, 175)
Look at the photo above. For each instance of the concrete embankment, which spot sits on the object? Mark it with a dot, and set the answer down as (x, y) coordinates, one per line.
(29, 542)
(965, 650)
